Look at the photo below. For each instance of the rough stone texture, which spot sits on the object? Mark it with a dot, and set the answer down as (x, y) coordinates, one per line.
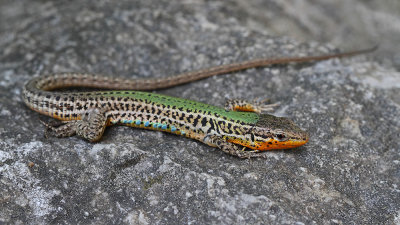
(347, 174)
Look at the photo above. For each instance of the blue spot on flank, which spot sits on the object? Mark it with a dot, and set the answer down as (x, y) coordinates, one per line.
(129, 121)
(182, 132)
(159, 125)
(173, 129)
(164, 126)
(146, 124)
(155, 125)
(138, 122)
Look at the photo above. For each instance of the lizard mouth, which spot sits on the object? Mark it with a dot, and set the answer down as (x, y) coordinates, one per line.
(282, 144)
(273, 144)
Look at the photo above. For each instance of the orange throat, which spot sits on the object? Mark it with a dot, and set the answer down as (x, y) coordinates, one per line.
(270, 145)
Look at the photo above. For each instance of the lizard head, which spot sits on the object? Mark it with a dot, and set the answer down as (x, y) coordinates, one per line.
(271, 132)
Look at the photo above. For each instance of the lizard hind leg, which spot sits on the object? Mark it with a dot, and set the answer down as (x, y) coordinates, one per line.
(60, 129)
(92, 125)
(246, 106)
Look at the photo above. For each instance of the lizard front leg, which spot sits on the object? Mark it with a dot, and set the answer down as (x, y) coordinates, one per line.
(91, 127)
(245, 106)
(231, 148)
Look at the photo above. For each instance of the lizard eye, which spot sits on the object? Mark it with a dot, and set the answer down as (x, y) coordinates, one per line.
(281, 137)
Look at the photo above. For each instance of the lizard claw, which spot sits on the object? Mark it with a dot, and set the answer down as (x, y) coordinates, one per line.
(261, 106)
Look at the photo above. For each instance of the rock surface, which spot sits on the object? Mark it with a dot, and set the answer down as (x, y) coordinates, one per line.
(347, 174)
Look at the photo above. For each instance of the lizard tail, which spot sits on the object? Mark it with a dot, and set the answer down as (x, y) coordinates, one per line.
(63, 80)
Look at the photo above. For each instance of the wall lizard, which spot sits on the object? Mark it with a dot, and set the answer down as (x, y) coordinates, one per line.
(239, 129)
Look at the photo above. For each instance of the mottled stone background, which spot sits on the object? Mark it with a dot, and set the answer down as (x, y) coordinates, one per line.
(347, 174)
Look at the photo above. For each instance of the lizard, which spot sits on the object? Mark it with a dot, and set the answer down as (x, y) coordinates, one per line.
(239, 129)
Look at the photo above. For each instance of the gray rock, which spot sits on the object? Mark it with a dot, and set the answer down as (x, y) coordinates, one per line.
(347, 174)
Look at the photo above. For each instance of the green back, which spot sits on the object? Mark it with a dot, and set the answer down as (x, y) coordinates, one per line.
(185, 104)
